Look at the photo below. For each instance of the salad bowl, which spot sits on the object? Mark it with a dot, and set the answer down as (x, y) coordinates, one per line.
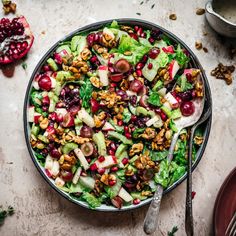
(62, 187)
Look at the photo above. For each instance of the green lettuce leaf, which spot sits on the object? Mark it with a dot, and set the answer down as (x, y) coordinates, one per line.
(181, 57)
(158, 156)
(92, 201)
(176, 171)
(154, 99)
(162, 177)
(126, 115)
(85, 91)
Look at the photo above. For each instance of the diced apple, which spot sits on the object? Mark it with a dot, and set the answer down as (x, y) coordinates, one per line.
(171, 100)
(35, 84)
(162, 92)
(53, 82)
(87, 181)
(168, 105)
(81, 158)
(31, 114)
(36, 117)
(86, 118)
(48, 162)
(55, 168)
(103, 75)
(59, 182)
(125, 195)
(107, 163)
(168, 49)
(173, 69)
(76, 175)
(108, 127)
(130, 93)
(61, 111)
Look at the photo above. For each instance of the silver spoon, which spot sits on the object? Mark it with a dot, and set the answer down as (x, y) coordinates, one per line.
(151, 219)
(188, 210)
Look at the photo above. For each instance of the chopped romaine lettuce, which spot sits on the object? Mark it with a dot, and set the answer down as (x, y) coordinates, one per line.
(162, 176)
(126, 115)
(92, 201)
(176, 172)
(181, 57)
(158, 155)
(154, 99)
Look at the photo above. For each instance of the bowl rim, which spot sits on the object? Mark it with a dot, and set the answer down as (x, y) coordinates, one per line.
(95, 26)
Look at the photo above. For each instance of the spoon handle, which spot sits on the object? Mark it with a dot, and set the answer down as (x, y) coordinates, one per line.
(151, 219)
(188, 209)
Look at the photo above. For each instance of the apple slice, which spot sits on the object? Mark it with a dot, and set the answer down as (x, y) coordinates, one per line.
(125, 195)
(59, 182)
(168, 49)
(77, 175)
(173, 69)
(53, 82)
(48, 162)
(107, 163)
(31, 114)
(103, 75)
(55, 168)
(108, 127)
(61, 111)
(171, 100)
(86, 118)
(36, 117)
(81, 158)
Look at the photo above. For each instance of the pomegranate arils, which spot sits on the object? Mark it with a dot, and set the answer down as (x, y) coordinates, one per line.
(101, 171)
(150, 66)
(101, 159)
(153, 53)
(136, 201)
(112, 182)
(93, 167)
(125, 161)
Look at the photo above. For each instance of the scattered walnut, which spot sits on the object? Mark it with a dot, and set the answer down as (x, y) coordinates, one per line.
(205, 49)
(44, 123)
(198, 45)
(8, 6)
(85, 54)
(144, 162)
(200, 11)
(146, 193)
(104, 179)
(172, 17)
(148, 134)
(95, 82)
(136, 148)
(224, 72)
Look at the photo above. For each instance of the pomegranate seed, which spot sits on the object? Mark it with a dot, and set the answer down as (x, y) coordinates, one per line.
(48, 173)
(134, 36)
(114, 168)
(112, 182)
(150, 66)
(112, 146)
(93, 59)
(89, 160)
(126, 129)
(101, 159)
(189, 77)
(133, 129)
(140, 31)
(151, 40)
(139, 73)
(125, 161)
(128, 135)
(144, 59)
(153, 53)
(133, 118)
(163, 116)
(53, 116)
(46, 68)
(101, 171)
(143, 35)
(136, 201)
(120, 122)
(111, 69)
(114, 159)
(93, 167)
(59, 118)
(45, 100)
(113, 85)
(136, 28)
(139, 66)
(193, 194)
(179, 100)
(111, 152)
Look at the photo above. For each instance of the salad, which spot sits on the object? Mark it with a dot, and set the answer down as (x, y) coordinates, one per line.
(102, 114)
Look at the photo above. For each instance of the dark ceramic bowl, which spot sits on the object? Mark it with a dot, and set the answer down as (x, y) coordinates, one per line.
(194, 62)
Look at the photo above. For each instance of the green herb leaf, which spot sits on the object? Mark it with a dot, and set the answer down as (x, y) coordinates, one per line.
(154, 99)
(24, 65)
(181, 57)
(86, 90)
(173, 231)
(126, 115)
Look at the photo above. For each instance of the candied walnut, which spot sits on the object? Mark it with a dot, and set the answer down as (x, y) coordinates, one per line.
(98, 187)
(99, 119)
(73, 69)
(200, 11)
(136, 148)
(173, 17)
(66, 166)
(95, 82)
(110, 99)
(94, 95)
(163, 74)
(198, 45)
(8, 7)
(85, 54)
(144, 162)
(124, 85)
(128, 53)
(104, 179)
(108, 41)
(40, 145)
(198, 140)
(148, 134)
(146, 193)
(127, 28)
(80, 140)
(44, 123)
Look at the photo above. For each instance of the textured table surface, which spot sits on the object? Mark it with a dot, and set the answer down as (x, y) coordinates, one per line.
(39, 210)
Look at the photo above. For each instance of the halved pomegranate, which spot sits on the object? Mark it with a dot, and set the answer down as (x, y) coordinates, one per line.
(16, 39)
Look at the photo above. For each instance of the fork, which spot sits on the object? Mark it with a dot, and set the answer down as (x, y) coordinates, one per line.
(231, 229)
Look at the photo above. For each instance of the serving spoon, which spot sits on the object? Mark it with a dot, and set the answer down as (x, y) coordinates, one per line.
(151, 219)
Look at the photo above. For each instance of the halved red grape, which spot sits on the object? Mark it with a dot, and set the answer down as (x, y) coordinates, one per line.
(187, 108)
(122, 66)
(136, 86)
(86, 132)
(116, 77)
(94, 105)
(87, 149)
